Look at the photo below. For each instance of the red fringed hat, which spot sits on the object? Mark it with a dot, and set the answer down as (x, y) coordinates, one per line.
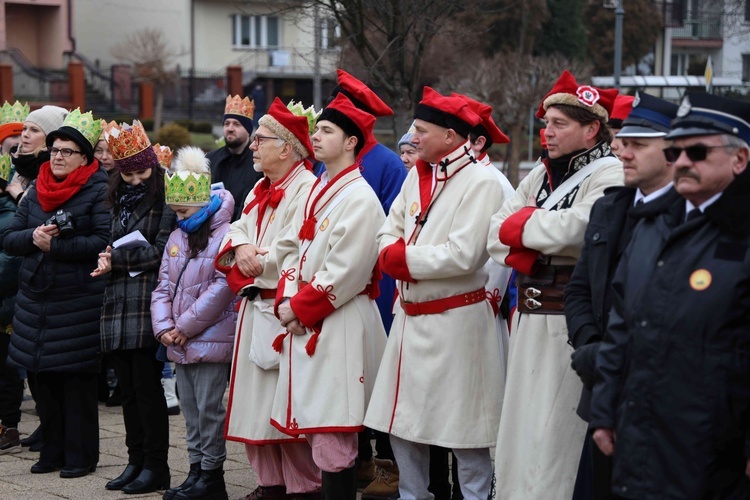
(360, 94)
(567, 91)
(342, 112)
(622, 107)
(487, 127)
(290, 127)
(448, 112)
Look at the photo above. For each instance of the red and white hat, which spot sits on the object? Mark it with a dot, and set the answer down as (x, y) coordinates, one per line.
(567, 91)
(342, 112)
(360, 95)
(288, 126)
(448, 112)
(487, 127)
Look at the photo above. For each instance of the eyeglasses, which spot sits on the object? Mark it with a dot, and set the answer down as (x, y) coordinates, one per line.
(259, 138)
(697, 152)
(66, 152)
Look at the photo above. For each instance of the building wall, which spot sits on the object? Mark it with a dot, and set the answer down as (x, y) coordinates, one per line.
(39, 29)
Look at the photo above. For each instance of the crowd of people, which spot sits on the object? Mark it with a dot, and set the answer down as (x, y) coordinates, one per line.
(589, 327)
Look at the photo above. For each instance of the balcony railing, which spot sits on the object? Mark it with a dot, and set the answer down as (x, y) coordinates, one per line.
(298, 61)
(706, 27)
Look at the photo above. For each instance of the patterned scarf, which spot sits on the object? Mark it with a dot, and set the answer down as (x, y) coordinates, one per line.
(129, 198)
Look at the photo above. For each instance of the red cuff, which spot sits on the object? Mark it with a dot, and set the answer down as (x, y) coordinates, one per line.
(523, 260)
(392, 261)
(511, 230)
(219, 267)
(311, 305)
(236, 280)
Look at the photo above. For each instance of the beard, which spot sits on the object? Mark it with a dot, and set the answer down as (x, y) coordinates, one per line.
(233, 143)
(257, 166)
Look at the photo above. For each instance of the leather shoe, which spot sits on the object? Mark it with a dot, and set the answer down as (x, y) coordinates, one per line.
(127, 476)
(43, 468)
(148, 481)
(71, 472)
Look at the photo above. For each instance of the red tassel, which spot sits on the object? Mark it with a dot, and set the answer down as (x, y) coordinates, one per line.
(307, 231)
(278, 342)
(276, 197)
(311, 344)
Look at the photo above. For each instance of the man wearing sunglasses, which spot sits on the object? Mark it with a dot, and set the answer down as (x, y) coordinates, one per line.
(647, 178)
(672, 404)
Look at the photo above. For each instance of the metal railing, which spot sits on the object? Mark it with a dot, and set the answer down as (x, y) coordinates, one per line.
(705, 27)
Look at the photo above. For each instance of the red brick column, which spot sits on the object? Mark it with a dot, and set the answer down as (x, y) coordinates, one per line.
(146, 108)
(234, 81)
(6, 82)
(76, 85)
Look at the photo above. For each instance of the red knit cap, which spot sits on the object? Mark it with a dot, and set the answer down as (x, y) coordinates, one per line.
(622, 108)
(360, 94)
(448, 112)
(290, 127)
(342, 112)
(487, 127)
(567, 91)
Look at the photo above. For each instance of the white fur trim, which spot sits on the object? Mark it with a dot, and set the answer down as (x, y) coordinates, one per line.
(571, 100)
(191, 159)
(277, 128)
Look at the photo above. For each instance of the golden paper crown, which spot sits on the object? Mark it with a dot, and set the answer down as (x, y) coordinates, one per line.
(239, 106)
(85, 123)
(105, 126)
(5, 167)
(13, 113)
(164, 155)
(125, 140)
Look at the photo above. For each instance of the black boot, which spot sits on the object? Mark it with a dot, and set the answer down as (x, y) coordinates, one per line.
(340, 485)
(192, 478)
(148, 481)
(127, 476)
(210, 486)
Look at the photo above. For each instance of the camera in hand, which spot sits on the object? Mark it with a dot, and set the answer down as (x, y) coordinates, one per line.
(64, 222)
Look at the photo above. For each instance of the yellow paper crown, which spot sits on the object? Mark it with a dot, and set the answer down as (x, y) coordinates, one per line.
(5, 167)
(85, 123)
(125, 140)
(239, 106)
(164, 155)
(14, 113)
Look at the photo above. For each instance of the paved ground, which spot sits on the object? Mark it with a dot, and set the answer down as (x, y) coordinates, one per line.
(17, 483)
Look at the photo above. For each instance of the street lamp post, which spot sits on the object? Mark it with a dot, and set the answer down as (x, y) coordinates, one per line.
(619, 13)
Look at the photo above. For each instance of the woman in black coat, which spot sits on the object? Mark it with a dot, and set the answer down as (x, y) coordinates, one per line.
(60, 227)
(136, 195)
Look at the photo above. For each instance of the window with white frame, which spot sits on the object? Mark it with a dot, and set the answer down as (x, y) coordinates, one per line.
(330, 32)
(255, 32)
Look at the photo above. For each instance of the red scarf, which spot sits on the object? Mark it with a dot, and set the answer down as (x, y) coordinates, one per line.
(53, 193)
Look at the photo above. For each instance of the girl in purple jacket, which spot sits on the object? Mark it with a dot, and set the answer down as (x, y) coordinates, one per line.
(192, 311)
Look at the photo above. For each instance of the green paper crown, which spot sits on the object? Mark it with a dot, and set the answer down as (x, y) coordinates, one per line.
(14, 113)
(85, 123)
(5, 167)
(187, 188)
(309, 113)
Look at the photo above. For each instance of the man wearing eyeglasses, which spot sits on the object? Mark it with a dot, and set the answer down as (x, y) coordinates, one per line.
(673, 401)
(648, 182)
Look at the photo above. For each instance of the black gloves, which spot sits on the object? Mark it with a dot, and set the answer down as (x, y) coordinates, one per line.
(583, 361)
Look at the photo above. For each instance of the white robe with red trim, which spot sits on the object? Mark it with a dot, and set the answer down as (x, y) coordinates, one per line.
(252, 388)
(540, 436)
(328, 389)
(441, 379)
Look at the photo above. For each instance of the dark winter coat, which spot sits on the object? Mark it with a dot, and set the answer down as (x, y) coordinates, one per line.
(58, 306)
(675, 365)
(237, 174)
(9, 266)
(587, 296)
(126, 313)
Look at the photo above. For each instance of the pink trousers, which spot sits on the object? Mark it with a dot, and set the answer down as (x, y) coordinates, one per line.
(287, 464)
(334, 451)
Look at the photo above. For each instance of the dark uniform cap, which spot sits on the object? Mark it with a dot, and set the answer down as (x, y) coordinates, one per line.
(650, 117)
(707, 114)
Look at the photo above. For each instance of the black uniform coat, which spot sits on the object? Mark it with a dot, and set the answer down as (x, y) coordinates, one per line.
(126, 314)
(56, 321)
(675, 364)
(237, 174)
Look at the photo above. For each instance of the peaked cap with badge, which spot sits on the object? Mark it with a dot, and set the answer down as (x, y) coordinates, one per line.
(707, 114)
(650, 117)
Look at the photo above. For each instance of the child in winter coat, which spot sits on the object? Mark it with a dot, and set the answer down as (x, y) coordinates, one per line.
(192, 312)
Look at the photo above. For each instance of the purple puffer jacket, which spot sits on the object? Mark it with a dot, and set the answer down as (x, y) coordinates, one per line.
(202, 307)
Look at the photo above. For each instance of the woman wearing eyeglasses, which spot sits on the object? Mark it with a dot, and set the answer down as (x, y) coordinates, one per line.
(59, 229)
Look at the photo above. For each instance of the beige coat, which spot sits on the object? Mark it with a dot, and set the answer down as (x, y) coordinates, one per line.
(441, 379)
(326, 375)
(252, 388)
(540, 439)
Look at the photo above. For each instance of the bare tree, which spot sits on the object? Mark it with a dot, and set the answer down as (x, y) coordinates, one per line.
(513, 84)
(149, 52)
